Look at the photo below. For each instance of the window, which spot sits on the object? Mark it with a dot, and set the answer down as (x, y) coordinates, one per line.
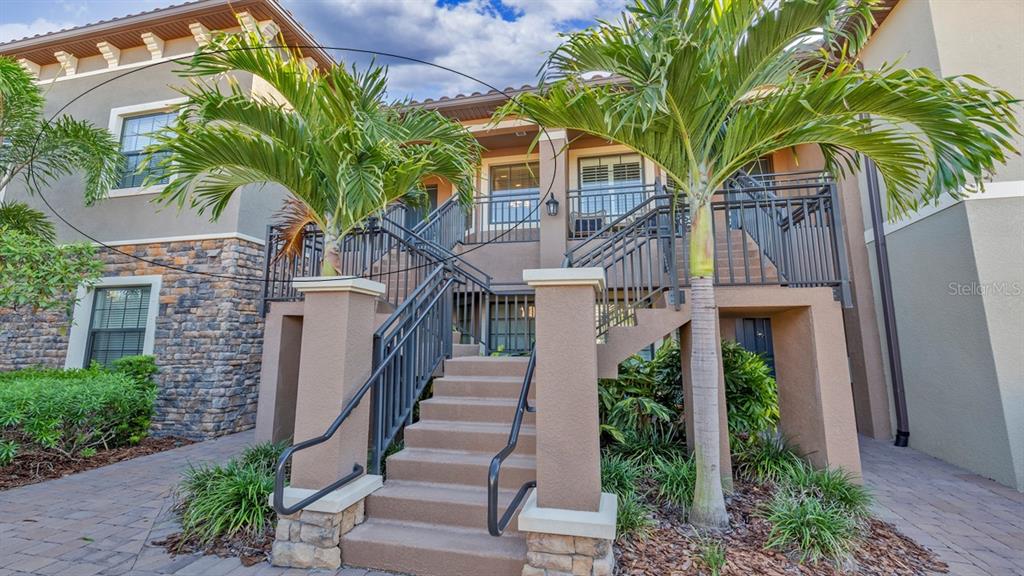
(515, 189)
(610, 184)
(136, 135)
(118, 323)
(116, 317)
(511, 323)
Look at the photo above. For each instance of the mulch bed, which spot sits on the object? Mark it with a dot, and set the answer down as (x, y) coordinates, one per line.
(672, 547)
(249, 549)
(32, 466)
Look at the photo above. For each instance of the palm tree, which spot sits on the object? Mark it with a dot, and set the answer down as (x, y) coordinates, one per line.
(708, 86)
(329, 138)
(39, 151)
(21, 217)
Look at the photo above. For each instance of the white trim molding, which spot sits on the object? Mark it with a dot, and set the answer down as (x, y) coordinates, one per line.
(78, 337)
(336, 501)
(339, 284)
(188, 238)
(539, 277)
(600, 524)
(993, 191)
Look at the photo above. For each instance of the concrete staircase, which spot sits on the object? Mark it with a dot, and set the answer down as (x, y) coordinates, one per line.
(430, 518)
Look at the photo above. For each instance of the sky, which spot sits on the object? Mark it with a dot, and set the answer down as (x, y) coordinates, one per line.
(500, 42)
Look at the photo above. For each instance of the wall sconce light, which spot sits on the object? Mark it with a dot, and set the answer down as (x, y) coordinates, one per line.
(552, 205)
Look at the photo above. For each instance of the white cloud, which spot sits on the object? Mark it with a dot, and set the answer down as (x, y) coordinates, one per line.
(17, 30)
(471, 37)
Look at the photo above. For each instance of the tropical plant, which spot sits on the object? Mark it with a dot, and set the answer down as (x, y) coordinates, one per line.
(833, 487)
(815, 529)
(38, 274)
(23, 218)
(675, 478)
(38, 151)
(704, 88)
(752, 400)
(765, 459)
(619, 475)
(222, 501)
(329, 138)
(633, 517)
(712, 553)
(645, 395)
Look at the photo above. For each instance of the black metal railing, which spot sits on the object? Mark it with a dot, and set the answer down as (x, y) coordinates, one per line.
(504, 218)
(591, 208)
(407, 350)
(447, 225)
(496, 525)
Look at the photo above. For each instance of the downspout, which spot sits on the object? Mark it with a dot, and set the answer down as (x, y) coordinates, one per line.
(892, 341)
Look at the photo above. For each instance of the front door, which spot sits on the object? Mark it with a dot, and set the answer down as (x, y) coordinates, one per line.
(755, 334)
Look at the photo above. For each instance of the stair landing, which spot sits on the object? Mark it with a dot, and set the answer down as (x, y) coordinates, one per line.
(430, 518)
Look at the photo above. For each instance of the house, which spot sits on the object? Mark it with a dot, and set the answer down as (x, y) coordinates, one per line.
(204, 328)
(572, 246)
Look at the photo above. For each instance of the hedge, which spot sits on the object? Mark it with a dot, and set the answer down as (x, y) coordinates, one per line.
(76, 412)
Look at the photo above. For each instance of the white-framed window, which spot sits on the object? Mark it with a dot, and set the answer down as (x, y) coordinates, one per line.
(134, 126)
(115, 317)
(610, 185)
(514, 191)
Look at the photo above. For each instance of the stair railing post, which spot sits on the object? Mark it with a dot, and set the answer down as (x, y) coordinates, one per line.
(568, 502)
(335, 360)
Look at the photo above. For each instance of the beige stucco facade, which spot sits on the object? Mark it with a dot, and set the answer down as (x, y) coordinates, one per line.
(958, 266)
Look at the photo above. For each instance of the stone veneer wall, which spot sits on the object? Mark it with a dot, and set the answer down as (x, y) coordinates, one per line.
(208, 336)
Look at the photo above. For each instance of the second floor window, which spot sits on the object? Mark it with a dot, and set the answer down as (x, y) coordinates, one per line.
(514, 193)
(610, 185)
(136, 135)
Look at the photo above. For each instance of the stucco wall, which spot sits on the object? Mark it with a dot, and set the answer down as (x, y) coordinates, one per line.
(956, 265)
(92, 97)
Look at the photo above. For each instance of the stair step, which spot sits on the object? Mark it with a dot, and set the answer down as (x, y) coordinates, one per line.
(486, 366)
(465, 350)
(479, 386)
(445, 504)
(471, 409)
(459, 467)
(432, 550)
(470, 436)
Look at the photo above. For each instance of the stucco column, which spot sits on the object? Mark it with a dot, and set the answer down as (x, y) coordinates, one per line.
(568, 437)
(335, 360)
(279, 372)
(864, 343)
(554, 178)
(815, 397)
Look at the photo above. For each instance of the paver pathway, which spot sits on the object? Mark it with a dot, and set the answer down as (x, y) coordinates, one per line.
(101, 521)
(975, 525)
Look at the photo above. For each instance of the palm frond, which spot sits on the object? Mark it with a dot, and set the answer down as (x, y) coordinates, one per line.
(21, 217)
(293, 219)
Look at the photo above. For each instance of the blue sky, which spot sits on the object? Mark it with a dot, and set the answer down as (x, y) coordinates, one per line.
(502, 42)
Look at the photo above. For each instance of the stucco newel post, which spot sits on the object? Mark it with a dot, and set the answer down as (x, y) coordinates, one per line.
(553, 175)
(335, 360)
(570, 524)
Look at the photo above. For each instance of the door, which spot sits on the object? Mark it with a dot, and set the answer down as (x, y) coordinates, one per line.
(755, 334)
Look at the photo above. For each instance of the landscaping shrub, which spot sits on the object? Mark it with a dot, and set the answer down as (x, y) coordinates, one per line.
(634, 517)
(764, 459)
(141, 369)
(73, 413)
(224, 501)
(647, 394)
(712, 553)
(752, 399)
(619, 475)
(833, 487)
(648, 446)
(810, 527)
(676, 478)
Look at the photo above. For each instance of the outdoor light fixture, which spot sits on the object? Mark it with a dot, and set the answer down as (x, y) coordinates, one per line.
(552, 205)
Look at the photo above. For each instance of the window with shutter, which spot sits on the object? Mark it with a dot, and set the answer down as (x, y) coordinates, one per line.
(118, 323)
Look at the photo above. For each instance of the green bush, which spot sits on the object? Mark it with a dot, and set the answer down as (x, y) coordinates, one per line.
(676, 479)
(752, 400)
(833, 487)
(646, 395)
(141, 369)
(765, 459)
(812, 528)
(648, 446)
(634, 517)
(222, 501)
(70, 411)
(619, 475)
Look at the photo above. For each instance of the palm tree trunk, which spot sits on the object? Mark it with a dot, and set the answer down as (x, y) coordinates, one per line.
(708, 508)
(331, 265)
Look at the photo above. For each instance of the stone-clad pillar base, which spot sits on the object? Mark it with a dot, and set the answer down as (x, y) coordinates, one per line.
(562, 542)
(311, 538)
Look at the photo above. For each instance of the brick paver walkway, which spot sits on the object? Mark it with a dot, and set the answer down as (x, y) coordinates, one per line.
(102, 521)
(975, 525)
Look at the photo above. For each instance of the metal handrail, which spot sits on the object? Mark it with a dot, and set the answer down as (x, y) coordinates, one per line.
(496, 526)
(351, 405)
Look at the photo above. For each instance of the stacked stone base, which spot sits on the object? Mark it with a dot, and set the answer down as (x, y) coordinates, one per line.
(558, 555)
(310, 539)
